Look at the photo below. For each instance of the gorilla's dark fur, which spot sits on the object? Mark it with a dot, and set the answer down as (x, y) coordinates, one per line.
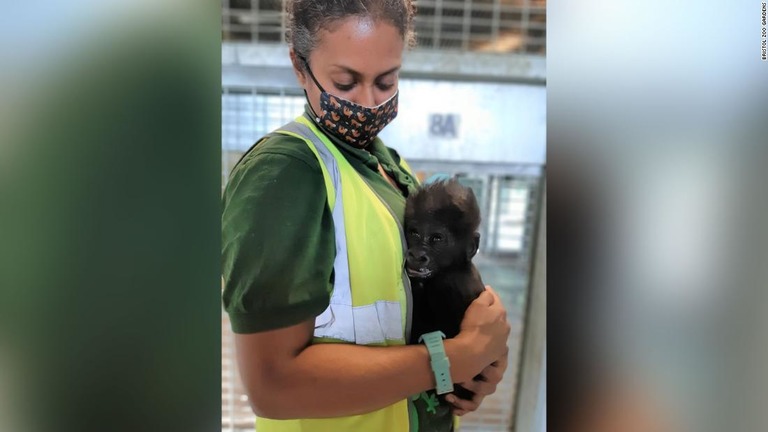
(441, 222)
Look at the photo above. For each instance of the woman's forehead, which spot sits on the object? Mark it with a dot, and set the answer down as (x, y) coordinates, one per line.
(360, 44)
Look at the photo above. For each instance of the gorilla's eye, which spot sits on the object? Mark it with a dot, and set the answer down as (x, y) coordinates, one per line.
(436, 238)
(413, 232)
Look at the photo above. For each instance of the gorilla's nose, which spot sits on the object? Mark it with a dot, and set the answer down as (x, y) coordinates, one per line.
(418, 259)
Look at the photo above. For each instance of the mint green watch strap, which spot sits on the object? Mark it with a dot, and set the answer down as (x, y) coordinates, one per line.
(441, 366)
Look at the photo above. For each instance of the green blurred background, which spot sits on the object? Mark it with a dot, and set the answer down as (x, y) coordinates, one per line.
(109, 258)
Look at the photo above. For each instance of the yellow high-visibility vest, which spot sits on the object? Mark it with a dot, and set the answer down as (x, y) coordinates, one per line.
(370, 303)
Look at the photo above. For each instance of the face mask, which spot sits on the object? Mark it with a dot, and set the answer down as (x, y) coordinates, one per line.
(352, 123)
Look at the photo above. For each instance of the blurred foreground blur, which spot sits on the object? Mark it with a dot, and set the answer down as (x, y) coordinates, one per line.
(657, 143)
(109, 232)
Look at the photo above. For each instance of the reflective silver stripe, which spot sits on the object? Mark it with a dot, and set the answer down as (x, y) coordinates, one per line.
(374, 323)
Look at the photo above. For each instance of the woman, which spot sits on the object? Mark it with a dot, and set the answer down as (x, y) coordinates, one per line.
(313, 253)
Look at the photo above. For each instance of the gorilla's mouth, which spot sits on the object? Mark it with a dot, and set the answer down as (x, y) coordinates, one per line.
(420, 273)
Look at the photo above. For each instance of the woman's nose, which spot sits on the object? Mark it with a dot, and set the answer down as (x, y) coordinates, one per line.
(366, 97)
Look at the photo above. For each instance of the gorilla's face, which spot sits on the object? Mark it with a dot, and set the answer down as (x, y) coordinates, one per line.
(440, 228)
(432, 247)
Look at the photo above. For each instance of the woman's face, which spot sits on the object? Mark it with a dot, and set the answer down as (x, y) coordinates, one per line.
(357, 59)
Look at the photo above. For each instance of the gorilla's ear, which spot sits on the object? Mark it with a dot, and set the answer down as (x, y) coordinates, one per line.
(473, 246)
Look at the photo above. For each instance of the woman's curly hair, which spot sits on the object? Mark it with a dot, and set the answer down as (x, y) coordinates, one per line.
(305, 19)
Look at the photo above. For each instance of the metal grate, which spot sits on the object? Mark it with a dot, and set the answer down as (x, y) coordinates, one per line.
(500, 26)
(253, 20)
(512, 217)
(482, 25)
(236, 414)
(250, 113)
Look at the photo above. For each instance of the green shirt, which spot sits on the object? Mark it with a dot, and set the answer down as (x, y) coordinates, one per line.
(278, 242)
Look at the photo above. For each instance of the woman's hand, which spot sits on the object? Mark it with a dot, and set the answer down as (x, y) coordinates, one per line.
(485, 329)
(483, 385)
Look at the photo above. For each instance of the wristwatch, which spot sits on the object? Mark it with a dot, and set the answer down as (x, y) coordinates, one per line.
(441, 366)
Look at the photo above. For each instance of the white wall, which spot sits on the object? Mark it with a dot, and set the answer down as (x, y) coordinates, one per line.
(499, 123)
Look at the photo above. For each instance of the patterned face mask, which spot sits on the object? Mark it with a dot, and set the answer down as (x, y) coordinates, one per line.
(353, 123)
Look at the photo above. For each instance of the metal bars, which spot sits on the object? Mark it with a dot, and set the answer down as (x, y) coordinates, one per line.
(250, 113)
(500, 26)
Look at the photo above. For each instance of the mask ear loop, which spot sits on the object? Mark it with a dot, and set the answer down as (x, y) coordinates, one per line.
(306, 64)
(306, 96)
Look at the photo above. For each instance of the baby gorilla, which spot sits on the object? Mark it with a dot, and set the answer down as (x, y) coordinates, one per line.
(441, 222)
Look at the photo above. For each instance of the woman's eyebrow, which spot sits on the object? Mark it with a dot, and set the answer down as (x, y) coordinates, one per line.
(357, 74)
(394, 69)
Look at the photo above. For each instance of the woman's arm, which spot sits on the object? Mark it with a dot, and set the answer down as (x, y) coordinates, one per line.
(287, 378)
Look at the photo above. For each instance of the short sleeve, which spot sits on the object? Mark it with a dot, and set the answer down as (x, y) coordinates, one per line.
(277, 242)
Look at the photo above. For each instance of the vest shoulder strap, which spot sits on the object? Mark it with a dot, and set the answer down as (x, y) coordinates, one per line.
(328, 165)
(342, 290)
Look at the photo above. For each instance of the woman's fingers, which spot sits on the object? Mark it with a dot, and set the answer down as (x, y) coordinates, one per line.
(463, 406)
(485, 384)
(495, 371)
(481, 388)
(490, 290)
(492, 374)
(486, 298)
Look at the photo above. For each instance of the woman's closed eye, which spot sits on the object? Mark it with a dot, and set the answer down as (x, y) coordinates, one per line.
(348, 87)
(344, 87)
